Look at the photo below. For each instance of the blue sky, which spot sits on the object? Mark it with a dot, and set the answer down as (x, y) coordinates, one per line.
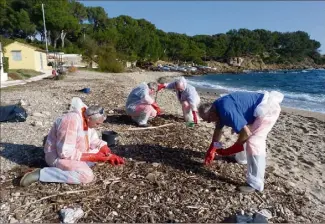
(211, 17)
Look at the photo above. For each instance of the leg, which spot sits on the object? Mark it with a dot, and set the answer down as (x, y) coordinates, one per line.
(67, 171)
(256, 149)
(187, 112)
(143, 113)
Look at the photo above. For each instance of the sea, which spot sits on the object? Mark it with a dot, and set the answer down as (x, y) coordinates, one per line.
(303, 89)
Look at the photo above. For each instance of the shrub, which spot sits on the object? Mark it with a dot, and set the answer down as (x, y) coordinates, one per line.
(110, 65)
(5, 64)
(72, 69)
(59, 77)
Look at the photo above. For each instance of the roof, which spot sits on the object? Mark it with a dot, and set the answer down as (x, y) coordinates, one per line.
(27, 45)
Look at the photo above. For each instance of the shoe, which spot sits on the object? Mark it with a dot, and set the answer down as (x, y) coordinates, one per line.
(30, 178)
(143, 125)
(246, 189)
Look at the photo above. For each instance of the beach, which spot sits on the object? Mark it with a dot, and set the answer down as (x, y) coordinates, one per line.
(163, 179)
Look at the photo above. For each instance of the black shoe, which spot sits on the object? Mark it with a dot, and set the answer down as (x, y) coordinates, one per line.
(30, 178)
(246, 189)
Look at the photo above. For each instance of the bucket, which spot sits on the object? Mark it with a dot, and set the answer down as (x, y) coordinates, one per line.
(86, 90)
(111, 137)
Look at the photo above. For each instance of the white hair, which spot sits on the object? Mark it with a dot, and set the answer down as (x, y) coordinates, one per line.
(153, 85)
(95, 112)
(204, 109)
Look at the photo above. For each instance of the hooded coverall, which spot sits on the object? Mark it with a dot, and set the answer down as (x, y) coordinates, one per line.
(260, 112)
(138, 104)
(67, 140)
(189, 98)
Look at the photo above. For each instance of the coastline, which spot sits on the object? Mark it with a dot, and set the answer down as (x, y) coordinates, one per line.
(295, 161)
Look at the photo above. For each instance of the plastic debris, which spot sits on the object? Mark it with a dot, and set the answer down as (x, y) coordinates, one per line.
(71, 215)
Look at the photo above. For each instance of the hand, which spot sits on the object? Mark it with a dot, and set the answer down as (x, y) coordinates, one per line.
(161, 86)
(115, 160)
(105, 150)
(157, 108)
(231, 150)
(93, 157)
(209, 156)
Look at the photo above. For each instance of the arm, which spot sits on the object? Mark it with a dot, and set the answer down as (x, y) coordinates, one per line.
(217, 135)
(66, 136)
(244, 134)
(96, 144)
(209, 156)
(148, 99)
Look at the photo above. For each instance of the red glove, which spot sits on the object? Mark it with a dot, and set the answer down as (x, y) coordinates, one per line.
(156, 107)
(231, 150)
(194, 117)
(105, 150)
(161, 86)
(92, 157)
(115, 160)
(209, 156)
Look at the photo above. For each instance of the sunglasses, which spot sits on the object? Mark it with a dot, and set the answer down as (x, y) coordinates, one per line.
(101, 112)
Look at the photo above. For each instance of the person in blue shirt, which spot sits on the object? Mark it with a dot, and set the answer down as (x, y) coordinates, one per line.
(252, 116)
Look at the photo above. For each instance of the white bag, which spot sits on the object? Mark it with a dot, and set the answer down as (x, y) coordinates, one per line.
(241, 157)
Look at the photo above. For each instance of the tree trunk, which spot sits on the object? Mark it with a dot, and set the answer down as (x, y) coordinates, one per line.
(48, 34)
(63, 34)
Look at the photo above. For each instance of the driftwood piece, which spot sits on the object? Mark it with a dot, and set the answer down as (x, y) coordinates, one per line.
(160, 126)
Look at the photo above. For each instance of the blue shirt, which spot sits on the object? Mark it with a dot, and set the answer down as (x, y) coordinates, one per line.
(237, 109)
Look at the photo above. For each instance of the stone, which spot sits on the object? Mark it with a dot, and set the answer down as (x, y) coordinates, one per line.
(13, 220)
(151, 177)
(37, 123)
(37, 114)
(111, 112)
(155, 164)
(266, 213)
(22, 103)
(46, 113)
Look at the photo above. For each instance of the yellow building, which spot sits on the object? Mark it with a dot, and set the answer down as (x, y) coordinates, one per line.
(24, 56)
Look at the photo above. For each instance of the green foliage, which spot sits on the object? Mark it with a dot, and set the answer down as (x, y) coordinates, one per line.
(108, 61)
(22, 73)
(5, 64)
(75, 28)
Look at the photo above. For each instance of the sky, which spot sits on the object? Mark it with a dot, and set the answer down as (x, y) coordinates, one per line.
(212, 17)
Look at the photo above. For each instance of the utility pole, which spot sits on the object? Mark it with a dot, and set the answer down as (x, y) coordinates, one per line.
(47, 51)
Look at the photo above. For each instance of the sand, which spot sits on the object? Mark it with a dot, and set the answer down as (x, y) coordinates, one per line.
(295, 155)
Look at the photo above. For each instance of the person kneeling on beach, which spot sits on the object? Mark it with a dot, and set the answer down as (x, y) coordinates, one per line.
(140, 104)
(187, 96)
(71, 148)
(252, 115)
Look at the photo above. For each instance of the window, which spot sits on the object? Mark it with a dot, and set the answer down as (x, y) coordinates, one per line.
(16, 55)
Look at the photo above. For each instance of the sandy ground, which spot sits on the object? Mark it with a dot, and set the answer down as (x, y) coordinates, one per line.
(296, 161)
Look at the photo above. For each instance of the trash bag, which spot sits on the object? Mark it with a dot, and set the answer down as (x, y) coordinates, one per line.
(12, 113)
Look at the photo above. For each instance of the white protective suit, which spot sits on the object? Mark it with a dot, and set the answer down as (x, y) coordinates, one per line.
(68, 138)
(189, 98)
(254, 155)
(138, 104)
